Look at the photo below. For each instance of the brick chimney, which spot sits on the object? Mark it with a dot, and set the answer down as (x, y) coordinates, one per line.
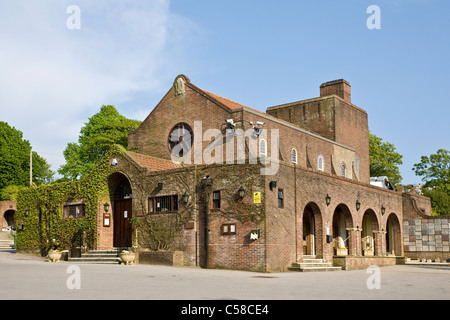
(339, 87)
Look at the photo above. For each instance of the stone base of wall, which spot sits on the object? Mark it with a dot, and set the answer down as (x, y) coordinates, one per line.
(419, 255)
(165, 258)
(358, 263)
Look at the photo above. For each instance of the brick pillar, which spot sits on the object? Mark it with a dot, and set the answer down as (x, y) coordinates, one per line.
(354, 241)
(380, 243)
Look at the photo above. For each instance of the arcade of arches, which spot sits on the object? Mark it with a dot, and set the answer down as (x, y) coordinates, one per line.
(365, 237)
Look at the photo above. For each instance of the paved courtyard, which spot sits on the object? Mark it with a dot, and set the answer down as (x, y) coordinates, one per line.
(29, 277)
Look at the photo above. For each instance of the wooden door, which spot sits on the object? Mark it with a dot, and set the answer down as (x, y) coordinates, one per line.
(122, 225)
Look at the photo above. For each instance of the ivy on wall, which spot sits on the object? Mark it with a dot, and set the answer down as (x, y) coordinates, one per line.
(39, 210)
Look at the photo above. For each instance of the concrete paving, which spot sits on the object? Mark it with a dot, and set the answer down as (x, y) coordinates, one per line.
(26, 276)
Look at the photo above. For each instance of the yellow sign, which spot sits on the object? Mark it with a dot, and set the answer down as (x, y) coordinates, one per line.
(256, 197)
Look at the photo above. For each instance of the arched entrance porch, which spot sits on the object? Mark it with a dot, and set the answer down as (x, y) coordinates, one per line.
(121, 201)
(393, 236)
(9, 220)
(312, 230)
(342, 223)
(369, 226)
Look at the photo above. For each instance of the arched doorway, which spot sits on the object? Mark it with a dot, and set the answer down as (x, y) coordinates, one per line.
(342, 221)
(121, 192)
(369, 225)
(312, 230)
(9, 221)
(393, 236)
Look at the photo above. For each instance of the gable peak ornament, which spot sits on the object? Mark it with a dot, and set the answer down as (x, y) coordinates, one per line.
(179, 84)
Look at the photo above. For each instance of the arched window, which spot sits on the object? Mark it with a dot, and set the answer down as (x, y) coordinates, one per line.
(343, 170)
(262, 148)
(294, 155)
(320, 164)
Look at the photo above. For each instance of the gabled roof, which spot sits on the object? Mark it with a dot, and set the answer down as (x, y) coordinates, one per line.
(152, 163)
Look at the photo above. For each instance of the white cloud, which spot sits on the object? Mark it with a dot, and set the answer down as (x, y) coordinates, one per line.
(53, 78)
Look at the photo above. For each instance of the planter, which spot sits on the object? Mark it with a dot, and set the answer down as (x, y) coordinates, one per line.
(54, 256)
(127, 257)
(341, 251)
(368, 252)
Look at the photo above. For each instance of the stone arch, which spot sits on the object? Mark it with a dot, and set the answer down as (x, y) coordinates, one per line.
(369, 225)
(393, 236)
(121, 193)
(312, 232)
(342, 223)
(9, 219)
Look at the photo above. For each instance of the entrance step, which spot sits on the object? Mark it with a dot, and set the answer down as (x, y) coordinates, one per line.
(98, 257)
(312, 264)
(6, 244)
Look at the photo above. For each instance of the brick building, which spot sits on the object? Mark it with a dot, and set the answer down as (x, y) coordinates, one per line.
(227, 186)
(232, 187)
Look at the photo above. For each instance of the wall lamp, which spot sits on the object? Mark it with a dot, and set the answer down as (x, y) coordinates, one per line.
(106, 206)
(383, 210)
(358, 205)
(272, 185)
(328, 200)
(241, 192)
(185, 197)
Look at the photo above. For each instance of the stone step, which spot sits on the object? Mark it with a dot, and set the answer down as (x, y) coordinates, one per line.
(311, 264)
(97, 257)
(6, 244)
(100, 260)
(315, 269)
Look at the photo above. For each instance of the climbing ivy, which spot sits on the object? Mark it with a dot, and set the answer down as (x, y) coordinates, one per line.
(39, 210)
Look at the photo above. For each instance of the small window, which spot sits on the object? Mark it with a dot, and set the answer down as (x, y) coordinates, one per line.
(320, 164)
(262, 148)
(294, 155)
(216, 199)
(228, 228)
(165, 204)
(280, 198)
(74, 211)
(343, 170)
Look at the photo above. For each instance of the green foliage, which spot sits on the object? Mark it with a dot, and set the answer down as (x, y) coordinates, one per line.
(440, 200)
(103, 130)
(384, 159)
(11, 192)
(15, 160)
(435, 171)
(39, 209)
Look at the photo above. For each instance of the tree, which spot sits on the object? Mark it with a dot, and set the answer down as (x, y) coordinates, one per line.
(384, 159)
(15, 160)
(435, 171)
(103, 129)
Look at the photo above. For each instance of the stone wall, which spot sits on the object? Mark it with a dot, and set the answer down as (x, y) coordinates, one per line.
(426, 238)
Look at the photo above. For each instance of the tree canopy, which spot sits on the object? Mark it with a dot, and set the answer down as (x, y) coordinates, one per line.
(435, 172)
(105, 128)
(384, 159)
(15, 160)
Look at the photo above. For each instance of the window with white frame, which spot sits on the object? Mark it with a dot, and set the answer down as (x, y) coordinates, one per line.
(294, 155)
(343, 171)
(262, 148)
(320, 163)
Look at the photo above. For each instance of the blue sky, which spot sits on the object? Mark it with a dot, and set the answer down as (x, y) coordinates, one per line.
(258, 53)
